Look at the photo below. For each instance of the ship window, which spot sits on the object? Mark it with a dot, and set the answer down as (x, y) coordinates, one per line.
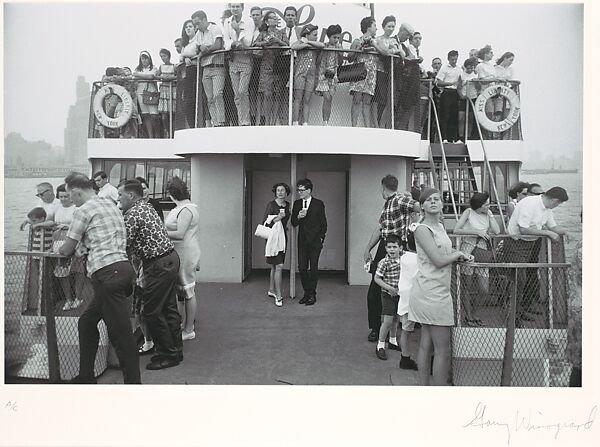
(139, 170)
(114, 174)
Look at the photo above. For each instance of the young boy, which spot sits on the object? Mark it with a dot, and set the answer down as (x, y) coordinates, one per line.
(41, 239)
(408, 270)
(467, 90)
(387, 277)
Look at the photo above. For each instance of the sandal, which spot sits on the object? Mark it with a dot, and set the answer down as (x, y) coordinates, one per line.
(146, 348)
(473, 323)
(271, 294)
(278, 301)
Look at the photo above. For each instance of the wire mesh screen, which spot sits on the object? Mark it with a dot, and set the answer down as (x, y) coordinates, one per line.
(44, 295)
(511, 318)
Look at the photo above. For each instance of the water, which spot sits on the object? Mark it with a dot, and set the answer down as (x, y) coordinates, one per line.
(19, 198)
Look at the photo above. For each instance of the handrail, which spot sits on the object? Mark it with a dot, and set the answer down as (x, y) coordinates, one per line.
(444, 161)
(488, 167)
(516, 265)
(43, 254)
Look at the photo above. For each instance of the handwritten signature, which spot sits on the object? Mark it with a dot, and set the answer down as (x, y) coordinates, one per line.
(11, 406)
(531, 421)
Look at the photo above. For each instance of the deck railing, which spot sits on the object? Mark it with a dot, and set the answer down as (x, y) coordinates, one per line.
(511, 315)
(400, 100)
(41, 339)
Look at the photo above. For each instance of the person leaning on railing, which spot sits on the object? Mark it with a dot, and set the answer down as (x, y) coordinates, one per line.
(363, 91)
(305, 71)
(389, 46)
(477, 223)
(168, 91)
(517, 192)
(147, 71)
(268, 81)
(189, 59)
(531, 220)
(327, 77)
(431, 302)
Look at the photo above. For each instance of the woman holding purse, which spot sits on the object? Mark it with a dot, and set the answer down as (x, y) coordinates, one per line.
(477, 222)
(281, 208)
(147, 94)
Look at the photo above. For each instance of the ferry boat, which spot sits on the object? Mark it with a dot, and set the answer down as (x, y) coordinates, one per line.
(230, 171)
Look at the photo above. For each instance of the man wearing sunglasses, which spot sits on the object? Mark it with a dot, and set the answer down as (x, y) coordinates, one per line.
(48, 201)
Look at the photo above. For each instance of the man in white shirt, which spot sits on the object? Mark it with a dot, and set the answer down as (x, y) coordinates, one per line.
(106, 189)
(282, 65)
(447, 78)
(209, 39)
(238, 34)
(48, 201)
(531, 219)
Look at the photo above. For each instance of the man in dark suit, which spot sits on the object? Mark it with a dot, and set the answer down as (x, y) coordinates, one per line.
(308, 213)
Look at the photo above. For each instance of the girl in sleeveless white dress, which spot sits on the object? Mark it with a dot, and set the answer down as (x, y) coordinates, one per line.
(431, 301)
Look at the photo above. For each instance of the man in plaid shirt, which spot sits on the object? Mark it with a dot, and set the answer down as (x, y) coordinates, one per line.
(98, 225)
(394, 219)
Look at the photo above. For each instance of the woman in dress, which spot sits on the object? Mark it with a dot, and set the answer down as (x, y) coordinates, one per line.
(305, 71)
(269, 37)
(168, 93)
(68, 271)
(389, 47)
(478, 222)
(363, 91)
(280, 208)
(182, 227)
(516, 192)
(330, 61)
(192, 86)
(431, 302)
(147, 70)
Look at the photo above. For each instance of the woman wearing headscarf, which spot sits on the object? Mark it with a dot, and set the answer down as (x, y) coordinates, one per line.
(431, 301)
(146, 70)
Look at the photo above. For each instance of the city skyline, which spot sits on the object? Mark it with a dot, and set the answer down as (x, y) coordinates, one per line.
(90, 56)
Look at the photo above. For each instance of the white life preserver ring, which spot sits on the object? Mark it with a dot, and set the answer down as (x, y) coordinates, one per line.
(125, 113)
(513, 114)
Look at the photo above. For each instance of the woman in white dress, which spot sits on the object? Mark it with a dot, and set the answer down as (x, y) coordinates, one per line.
(477, 222)
(182, 227)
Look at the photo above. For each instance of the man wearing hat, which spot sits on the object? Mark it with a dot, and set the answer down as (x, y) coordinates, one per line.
(394, 219)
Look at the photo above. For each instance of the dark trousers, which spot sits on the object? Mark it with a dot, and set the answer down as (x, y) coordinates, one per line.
(308, 264)
(160, 304)
(449, 114)
(192, 92)
(112, 285)
(374, 292)
(527, 279)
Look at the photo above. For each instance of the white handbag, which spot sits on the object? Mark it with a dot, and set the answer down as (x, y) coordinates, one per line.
(263, 231)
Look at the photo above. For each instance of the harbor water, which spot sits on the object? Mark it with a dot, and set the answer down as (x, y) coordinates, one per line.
(19, 198)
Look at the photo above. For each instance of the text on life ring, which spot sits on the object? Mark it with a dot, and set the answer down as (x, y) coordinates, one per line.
(513, 114)
(124, 113)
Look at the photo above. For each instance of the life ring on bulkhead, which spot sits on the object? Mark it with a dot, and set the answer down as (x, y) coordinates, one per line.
(124, 114)
(513, 114)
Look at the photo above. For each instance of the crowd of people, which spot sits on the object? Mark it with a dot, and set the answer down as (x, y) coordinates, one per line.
(119, 238)
(243, 68)
(122, 244)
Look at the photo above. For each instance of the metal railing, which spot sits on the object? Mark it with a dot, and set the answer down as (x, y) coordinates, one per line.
(399, 100)
(41, 337)
(511, 315)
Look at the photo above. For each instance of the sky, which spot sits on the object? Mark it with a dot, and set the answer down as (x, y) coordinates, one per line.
(47, 45)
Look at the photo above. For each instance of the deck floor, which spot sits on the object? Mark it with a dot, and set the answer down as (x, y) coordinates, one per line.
(242, 338)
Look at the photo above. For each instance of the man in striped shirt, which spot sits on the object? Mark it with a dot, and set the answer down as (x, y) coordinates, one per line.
(98, 225)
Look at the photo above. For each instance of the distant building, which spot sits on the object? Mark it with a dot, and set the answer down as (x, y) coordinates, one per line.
(77, 125)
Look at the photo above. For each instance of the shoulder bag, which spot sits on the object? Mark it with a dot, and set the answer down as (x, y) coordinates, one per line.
(351, 72)
(150, 98)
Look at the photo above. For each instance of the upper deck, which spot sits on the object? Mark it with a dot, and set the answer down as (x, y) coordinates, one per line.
(399, 121)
